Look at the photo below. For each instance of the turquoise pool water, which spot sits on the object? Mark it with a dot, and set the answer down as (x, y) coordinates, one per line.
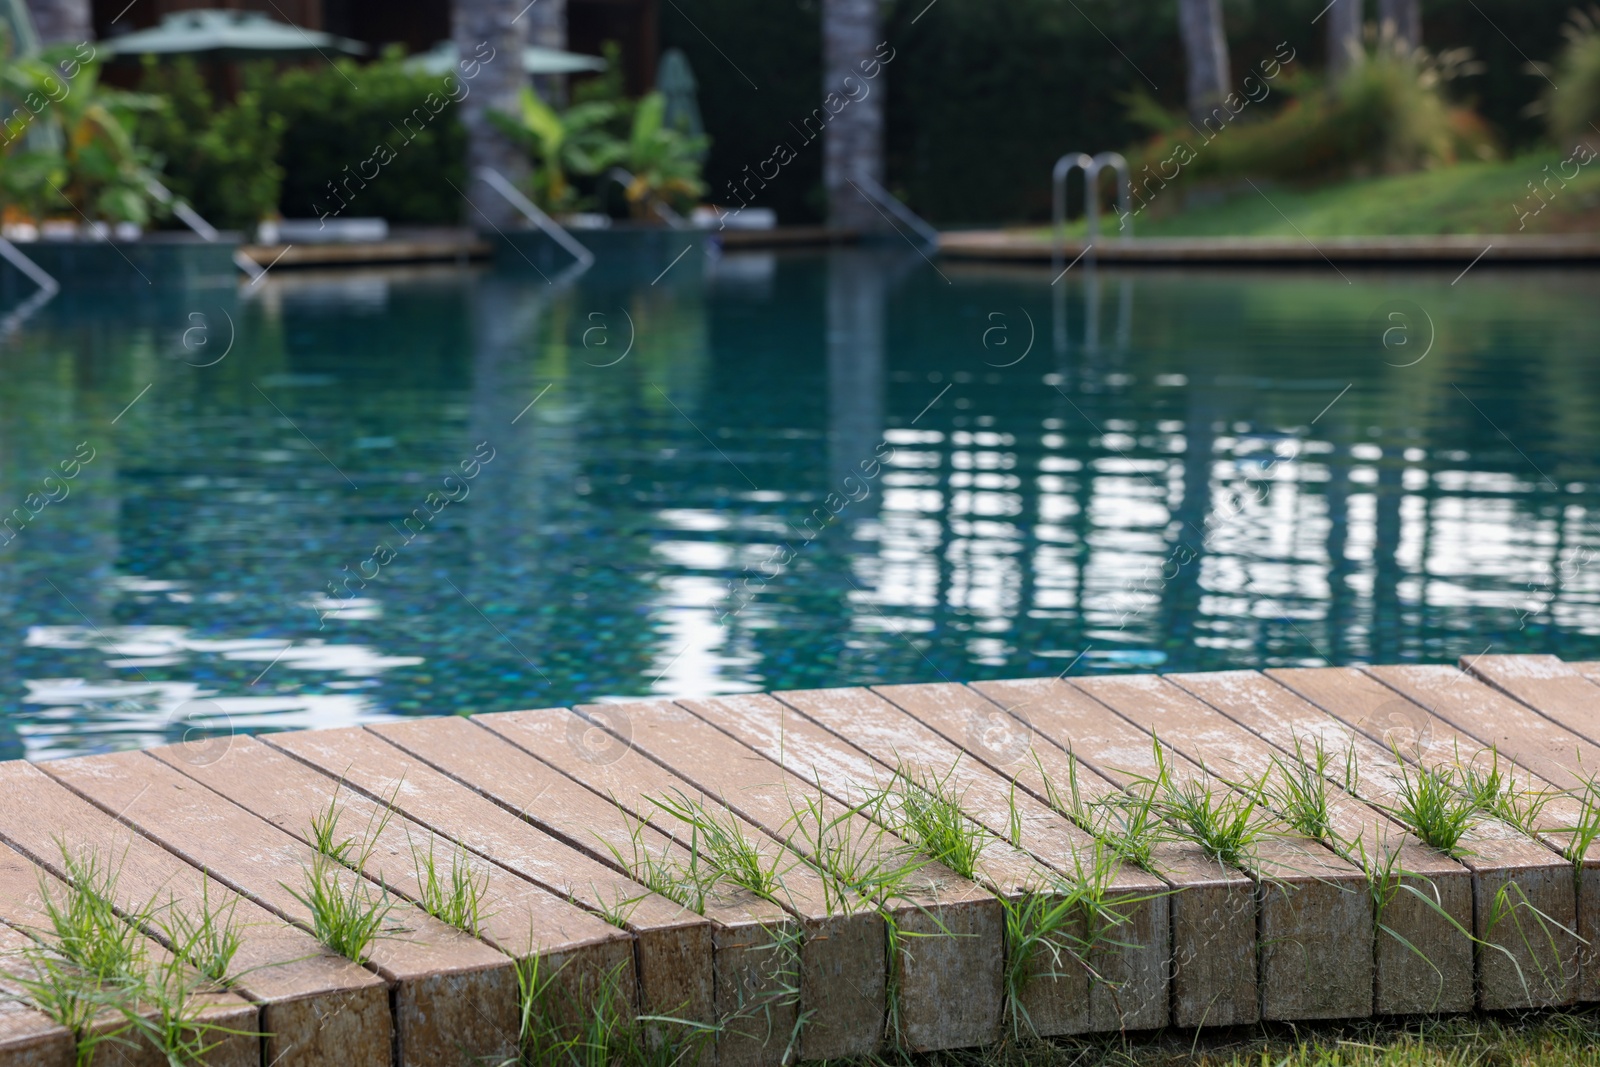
(807, 470)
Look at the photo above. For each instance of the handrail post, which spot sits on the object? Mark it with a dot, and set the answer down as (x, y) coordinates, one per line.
(1058, 200)
(1117, 163)
(188, 215)
(558, 233)
(869, 187)
(36, 274)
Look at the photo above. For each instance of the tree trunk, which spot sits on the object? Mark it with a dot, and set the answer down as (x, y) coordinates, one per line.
(1344, 37)
(479, 26)
(852, 141)
(1401, 21)
(62, 21)
(548, 29)
(1205, 48)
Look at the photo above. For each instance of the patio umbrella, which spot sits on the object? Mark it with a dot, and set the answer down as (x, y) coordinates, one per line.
(442, 58)
(228, 35)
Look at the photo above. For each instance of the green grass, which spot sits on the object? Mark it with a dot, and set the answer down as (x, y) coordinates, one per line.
(720, 843)
(456, 898)
(1464, 198)
(1434, 805)
(91, 969)
(1126, 822)
(1548, 1039)
(1497, 792)
(926, 812)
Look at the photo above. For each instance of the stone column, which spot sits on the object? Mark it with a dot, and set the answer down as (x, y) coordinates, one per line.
(491, 33)
(853, 139)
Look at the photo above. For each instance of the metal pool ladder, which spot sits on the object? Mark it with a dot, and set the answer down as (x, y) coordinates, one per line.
(1091, 167)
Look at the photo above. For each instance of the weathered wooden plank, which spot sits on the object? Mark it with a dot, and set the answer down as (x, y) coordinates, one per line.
(1549, 757)
(1316, 916)
(1213, 912)
(516, 916)
(951, 956)
(229, 1022)
(1422, 956)
(1550, 687)
(316, 1008)
(1524, 893)
(1590, 669)
(1056, 1001)
(453, 995)
(842, 955)
(675, 946)
(28, 1037)
(527, 808)
(855, 735)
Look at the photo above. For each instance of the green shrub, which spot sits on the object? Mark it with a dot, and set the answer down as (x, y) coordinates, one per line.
(222, 160)
(1389, 115)
(1574, 112)
(338, 115)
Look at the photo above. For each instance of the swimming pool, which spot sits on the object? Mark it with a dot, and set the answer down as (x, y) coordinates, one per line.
(423, 491)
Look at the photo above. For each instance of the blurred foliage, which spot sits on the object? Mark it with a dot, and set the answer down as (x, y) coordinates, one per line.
(983, 97)
(68, 146)
(1574, 113)
(337, 115)
(222, 159)
(572, 150)
(1388, 115)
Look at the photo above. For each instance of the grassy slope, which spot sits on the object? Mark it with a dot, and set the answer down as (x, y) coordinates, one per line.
(1466, 198)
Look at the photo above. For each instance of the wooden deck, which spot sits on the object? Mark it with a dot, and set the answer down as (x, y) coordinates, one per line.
(1032, 246)
(797, 908)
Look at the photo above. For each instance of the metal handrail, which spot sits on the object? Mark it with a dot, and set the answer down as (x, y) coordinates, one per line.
(188, 215)
(37, 274)
(1091, 167)
(889, 202)
(558, 233)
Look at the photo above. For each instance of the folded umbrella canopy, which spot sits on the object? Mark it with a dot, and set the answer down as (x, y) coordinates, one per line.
(442, 57)
(227, 35)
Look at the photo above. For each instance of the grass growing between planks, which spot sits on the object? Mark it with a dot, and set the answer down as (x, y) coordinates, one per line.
(1545, 1039)
(91, 969)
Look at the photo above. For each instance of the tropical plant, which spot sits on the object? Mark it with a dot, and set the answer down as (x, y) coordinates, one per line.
(664, 162)
(561, 144)
(68, 144)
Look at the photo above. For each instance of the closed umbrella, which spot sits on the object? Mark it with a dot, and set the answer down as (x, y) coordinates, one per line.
(228, 35)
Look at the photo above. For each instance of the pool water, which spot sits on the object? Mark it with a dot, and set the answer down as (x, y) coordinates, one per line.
(449, 490)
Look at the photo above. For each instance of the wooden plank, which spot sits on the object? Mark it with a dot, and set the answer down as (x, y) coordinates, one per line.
(316, 1008)
(230, 1021)
(1422, 958)
(1296, 889)
(1550, 757)
(853, 735)
(674, 947)
(1590, 669)
(1524, 894)
(28, 1037)
(518, 917)
(951, 957)
(843, 1017)
(1054, 1003)
(1213, 912)
(1552, 688)
(530, 808)
(453, 995)
(1316, 915)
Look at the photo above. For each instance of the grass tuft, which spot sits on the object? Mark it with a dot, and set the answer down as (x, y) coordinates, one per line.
(926, 812)
(456, 898)
(1432, 803)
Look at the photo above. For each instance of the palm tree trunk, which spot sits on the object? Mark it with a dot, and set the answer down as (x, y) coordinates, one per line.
(62, 21)
(852, 142)
(1205, 48)
(548, 29)
(493, 29)
(1344, 37)
(1401, 21)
